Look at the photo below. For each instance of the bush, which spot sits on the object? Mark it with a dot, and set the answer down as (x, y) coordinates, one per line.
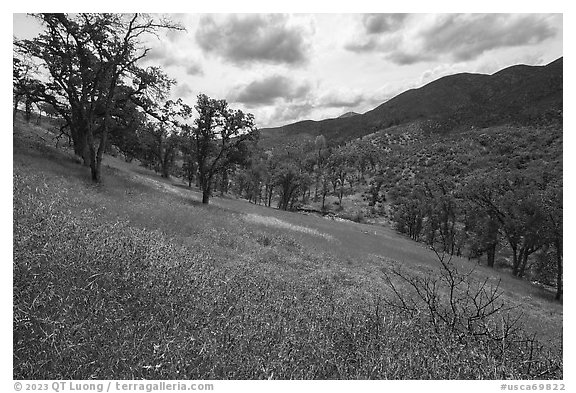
(356, 216)
(472, 314)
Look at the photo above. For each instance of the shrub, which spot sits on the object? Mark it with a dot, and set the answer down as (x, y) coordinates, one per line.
(461, 310)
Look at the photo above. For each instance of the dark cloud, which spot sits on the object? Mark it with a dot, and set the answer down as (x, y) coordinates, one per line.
(382, 23)
(404, 58)
(465, 37)
(267, 91)
(341, 100)
(193, 68)
(376, 32)
(253, 38)
(458, 37)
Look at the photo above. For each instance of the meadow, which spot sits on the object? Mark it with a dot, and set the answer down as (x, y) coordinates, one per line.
(135, 278)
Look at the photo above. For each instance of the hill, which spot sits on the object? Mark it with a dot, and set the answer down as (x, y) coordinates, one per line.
(348, 114)
(519, 94)
(141, 279)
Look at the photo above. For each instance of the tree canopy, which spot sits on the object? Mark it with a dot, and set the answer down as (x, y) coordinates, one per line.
(89, 67)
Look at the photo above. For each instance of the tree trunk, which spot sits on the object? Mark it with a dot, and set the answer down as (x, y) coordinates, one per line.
(491, 254)
(96, 156)
(80, 141)
(286, 197)
(558, 246)
(205, 185)
(28, 110)
(95, 167)
(260, 194)
(16, 102)
(165, 168)
(292, 201)
(224, 182)
(524, 262)
(515, 259)
(96, 171)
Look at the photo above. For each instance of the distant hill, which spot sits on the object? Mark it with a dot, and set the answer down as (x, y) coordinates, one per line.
(348, 114)
(519, 94)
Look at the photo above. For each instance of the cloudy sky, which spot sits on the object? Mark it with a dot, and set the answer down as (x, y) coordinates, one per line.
(289, 67)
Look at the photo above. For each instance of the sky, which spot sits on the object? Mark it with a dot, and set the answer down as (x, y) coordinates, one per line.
(285, 68)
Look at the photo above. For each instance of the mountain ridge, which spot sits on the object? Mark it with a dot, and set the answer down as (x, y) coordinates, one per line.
(520, 93)
(348, 114)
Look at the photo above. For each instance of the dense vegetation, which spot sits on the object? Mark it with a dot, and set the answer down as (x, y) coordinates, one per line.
(499, 189)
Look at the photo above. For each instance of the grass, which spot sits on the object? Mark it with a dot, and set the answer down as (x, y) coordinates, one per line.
(130, 280)
(276, 223)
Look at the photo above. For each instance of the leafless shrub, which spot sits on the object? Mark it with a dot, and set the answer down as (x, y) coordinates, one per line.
(455, 303)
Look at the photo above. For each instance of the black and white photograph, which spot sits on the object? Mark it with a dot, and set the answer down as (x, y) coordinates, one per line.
(286, 196)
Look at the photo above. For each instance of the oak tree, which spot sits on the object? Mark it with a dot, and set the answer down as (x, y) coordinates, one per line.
(85, 58)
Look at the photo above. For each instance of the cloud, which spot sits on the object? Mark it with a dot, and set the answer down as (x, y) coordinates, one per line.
(290, 113)
(369, 45)
(341, 99)
(156, 54)
(450, 37)
(166, 57)
(175, 35)
(378, 32)
(382, 23)
(183, 90)
(281, 100)
(253, 38)
(193, 68)
(438, 71)
(465, 37)
(403, 58)
(268, 90)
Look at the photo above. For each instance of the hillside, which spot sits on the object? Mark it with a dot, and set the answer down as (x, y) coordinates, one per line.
(516, 95)
(141, 279)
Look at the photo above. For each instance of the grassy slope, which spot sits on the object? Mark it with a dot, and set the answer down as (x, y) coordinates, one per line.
(136, 279)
